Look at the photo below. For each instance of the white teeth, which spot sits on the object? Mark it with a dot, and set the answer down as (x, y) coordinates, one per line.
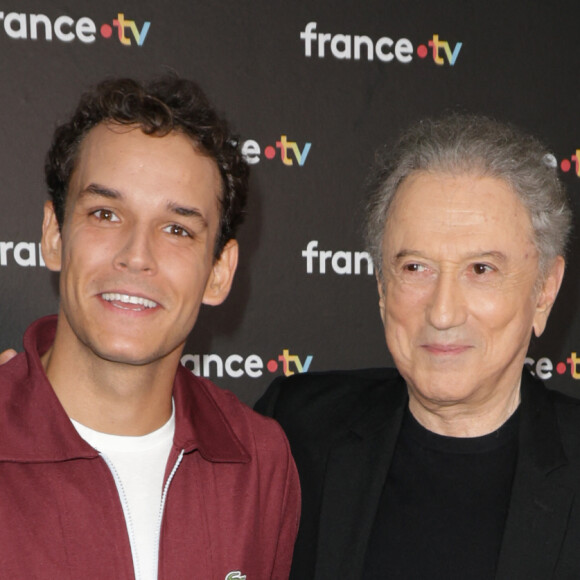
(127, 299)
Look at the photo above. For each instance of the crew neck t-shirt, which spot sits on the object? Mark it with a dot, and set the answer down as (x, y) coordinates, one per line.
(138, 466)
(444, 505)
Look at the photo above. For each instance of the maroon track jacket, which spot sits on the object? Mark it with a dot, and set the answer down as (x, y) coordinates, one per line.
(232, 505)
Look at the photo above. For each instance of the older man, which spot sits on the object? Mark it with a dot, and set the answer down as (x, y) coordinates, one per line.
(456, 464)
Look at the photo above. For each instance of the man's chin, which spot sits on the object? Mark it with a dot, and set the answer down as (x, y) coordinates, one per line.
(444, 388)
(128, 355)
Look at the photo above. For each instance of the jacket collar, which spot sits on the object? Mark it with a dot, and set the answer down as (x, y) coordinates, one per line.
(541, 499)
(539, 435)
(356, 471)
(201, 424)
(34, 427)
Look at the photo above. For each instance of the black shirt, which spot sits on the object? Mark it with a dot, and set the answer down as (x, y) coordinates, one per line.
(444, 505)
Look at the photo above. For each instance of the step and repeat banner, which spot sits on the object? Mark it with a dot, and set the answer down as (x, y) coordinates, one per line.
(313, 88)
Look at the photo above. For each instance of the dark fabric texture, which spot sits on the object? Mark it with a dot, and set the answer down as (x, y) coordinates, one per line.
(343, 428)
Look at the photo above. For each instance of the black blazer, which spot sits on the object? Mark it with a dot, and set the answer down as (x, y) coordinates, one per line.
(342, 428)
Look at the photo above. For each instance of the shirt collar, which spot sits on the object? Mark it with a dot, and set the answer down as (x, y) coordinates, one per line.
(35, 427)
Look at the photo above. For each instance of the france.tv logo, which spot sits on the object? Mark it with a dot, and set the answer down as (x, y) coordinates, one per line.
(289, 152)
(385, 49)
(544, 367)
(237, 366)
(23, 26)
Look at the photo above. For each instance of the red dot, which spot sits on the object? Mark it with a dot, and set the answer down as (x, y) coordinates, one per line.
(270, 153)
(565, 165)
(272, 366)
(106, 31)
(560, 368)
(422, 51)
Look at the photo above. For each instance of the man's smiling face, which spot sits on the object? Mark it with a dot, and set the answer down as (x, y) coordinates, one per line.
(136, 248)
(460, 293)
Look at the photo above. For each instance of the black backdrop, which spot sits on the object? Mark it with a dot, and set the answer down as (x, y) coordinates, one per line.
(264, 64)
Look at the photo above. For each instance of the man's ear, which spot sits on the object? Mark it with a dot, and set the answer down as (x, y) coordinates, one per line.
(222, 275)
(51, 239)
(381, 289)
(547, 295)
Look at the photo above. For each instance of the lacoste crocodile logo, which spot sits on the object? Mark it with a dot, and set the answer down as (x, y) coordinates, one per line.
(235, 575)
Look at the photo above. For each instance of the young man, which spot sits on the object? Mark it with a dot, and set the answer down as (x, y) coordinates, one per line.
(115, 461)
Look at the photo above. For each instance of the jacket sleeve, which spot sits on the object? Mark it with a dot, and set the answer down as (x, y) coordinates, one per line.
(289, 518)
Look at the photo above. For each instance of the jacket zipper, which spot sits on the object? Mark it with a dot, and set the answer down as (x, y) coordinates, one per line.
(163, 499)
(127, 514)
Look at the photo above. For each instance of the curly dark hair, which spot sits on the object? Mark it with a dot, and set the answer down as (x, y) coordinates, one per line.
(158, 107)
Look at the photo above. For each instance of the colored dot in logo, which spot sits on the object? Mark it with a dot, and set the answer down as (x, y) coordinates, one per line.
(565, 165)
(272, 366)
(422, 51)
(561, 368)
(270, 153)
(106, 31)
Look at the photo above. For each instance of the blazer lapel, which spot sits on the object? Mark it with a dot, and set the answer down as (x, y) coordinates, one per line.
(356, 471)
(539, 506)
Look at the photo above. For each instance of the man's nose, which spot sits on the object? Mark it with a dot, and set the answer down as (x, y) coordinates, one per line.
(447, 308)
(136, 252)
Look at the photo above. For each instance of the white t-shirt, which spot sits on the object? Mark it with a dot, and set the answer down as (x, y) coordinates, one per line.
(138, 467)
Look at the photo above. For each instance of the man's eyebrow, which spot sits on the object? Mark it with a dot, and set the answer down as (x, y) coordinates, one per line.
(96, 189)
(185, 211)
(484, 254)
(404, 253)
(494, 254)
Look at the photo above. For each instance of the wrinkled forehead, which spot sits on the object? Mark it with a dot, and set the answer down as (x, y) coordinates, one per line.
(435, 206)
(422, 190)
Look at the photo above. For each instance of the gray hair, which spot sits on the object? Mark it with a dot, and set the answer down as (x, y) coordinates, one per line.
(471, 144)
